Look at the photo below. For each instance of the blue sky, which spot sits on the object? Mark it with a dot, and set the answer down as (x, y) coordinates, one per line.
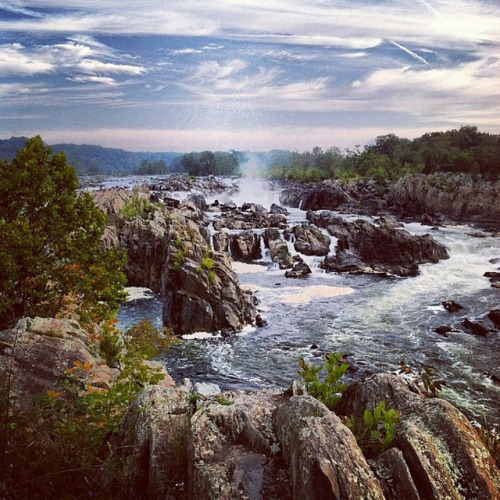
(188, 75)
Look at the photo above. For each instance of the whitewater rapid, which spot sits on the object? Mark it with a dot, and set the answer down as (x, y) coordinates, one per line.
(377, 321)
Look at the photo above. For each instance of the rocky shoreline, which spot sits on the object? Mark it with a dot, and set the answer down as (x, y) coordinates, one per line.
(272, 444)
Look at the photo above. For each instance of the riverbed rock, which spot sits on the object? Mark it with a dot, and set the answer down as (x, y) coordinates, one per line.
(309, 240)
(460, 197)
(245, 246)
(475, 328)
(299, 270)
(442, 450)
(364, 247)
(494, 316)
(451, 306)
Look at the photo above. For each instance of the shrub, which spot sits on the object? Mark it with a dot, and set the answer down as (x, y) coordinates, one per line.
(376, 431)
(330, 390)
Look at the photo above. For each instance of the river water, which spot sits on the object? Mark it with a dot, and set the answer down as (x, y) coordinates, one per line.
(377, 321)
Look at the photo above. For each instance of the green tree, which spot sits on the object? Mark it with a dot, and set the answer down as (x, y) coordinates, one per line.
(52, 263)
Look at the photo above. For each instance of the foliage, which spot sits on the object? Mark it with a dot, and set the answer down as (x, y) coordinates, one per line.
(61, 448)
(329, 391)
(207, 265)
(52, 263)
(432, 385)
(138, 206)
(490, 436)
(465, 150)
(210, 163)
(376, 431)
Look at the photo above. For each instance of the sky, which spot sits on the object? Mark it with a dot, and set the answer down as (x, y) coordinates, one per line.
(192, 75)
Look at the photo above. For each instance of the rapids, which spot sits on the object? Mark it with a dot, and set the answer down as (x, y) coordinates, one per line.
(377, 321)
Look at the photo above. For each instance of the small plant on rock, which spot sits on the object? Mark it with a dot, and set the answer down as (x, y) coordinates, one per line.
(376, 431)
(330, 390)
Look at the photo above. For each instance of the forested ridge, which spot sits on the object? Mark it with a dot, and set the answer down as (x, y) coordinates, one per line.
(464, 150)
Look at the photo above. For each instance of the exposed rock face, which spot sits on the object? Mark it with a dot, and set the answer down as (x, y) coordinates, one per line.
(249, 216)
(234, 449)
(153, 443)
(356, 197)
(37, 351)
(323, 455)
(445, 456)
(309, 240)
(457, 196)
(276, 445)
(364, 247)
(169, 252)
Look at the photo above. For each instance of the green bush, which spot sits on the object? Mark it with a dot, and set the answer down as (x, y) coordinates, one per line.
(376, 431)
(330, 390)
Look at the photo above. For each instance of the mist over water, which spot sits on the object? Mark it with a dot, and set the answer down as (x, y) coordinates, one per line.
(377, 321)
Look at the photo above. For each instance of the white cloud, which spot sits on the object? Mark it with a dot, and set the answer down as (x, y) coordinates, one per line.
(73, 57)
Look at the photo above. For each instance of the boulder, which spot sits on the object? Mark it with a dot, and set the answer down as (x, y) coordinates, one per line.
(38, 351)
(365, 247)
(475, 328)
(443, 452)
(451, 306)
(152, 446)
(494, 316)
(322, 453)
(309, 240)
(245, 246)
(299, 270)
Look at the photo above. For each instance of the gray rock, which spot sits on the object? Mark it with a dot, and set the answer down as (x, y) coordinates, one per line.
(206, 389)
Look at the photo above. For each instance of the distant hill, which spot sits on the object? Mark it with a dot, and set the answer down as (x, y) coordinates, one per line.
(95, 160)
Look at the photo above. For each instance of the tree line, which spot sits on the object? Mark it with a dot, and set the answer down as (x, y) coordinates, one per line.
(465, 150)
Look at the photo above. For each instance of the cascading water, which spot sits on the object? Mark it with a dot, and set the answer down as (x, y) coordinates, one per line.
(378, 321)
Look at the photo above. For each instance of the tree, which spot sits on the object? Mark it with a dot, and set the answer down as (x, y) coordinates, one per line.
(50, 248)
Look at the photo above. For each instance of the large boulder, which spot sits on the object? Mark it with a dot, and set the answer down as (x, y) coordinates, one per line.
(364, 247)
(309, 240)
(245, 246)
(322, 453)
(441, 449)
(35, 354)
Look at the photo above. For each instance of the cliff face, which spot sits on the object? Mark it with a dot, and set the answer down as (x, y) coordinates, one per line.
(169, 251)
(457, 196)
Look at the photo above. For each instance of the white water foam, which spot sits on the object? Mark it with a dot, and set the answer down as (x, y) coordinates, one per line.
(135, 292)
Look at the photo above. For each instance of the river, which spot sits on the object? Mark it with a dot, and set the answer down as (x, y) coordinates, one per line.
(377, 321)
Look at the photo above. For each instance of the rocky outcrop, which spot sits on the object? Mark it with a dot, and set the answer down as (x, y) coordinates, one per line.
(277, 444)
(245, 246)
(436, 443)
(355, 197)
(322, 453)
(249, 216)
(35, 354)
(152, 446)
(169, 252)
(308, 240)
(364, 247)
(458, 196)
